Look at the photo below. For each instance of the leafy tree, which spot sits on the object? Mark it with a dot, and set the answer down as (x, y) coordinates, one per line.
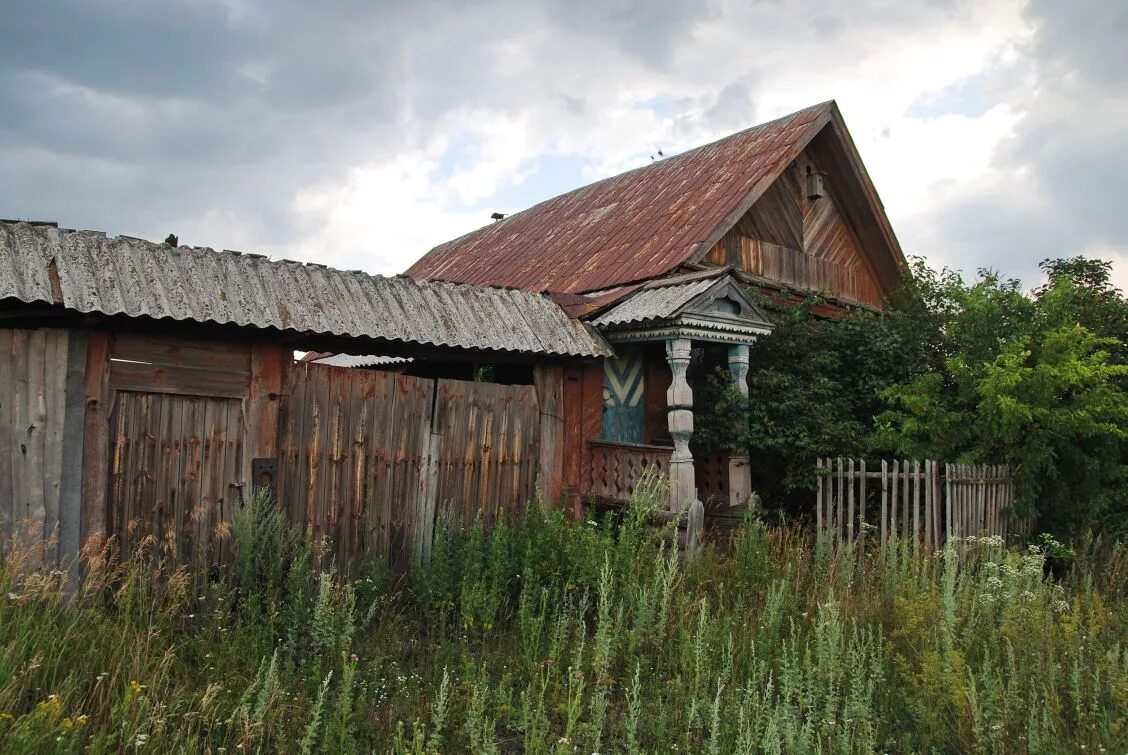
(1034, 381)
(814, 386)
(976, 372)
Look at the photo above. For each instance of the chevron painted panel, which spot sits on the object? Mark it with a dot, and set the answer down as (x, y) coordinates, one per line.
(622, 397)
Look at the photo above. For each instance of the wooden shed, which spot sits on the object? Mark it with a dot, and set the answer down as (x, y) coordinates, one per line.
(146, 389)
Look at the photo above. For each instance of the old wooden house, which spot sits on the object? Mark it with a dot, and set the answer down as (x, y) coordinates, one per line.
(146, 389)
(659, 259)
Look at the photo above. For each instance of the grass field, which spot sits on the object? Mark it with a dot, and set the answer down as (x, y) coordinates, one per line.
(544, 636)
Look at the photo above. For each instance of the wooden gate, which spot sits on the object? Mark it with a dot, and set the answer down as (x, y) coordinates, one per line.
(366, 458)
(351, 455)
(176, 472)
(488, 447)
(177, 466)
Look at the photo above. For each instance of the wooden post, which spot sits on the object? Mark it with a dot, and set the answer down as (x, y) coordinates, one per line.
(679, 416)
(916, 505)
(862, 503)
(947, 502)
(738, 367)
(884, 501)
(841, 492)
(937, 501)
(694, 525)
(549, 381)
(906, 479)
(850, 508)
(820, 479)
(96, 435)
(893, 500)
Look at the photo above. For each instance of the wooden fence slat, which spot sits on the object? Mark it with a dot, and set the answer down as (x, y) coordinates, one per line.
(850, 503)
(862, 503)
(884, 501)
(840, 504)
(820, 479)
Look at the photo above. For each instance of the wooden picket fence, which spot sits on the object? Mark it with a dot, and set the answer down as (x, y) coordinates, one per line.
(914, 501)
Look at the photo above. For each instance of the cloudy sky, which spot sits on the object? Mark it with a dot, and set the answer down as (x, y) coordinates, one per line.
(360, 134)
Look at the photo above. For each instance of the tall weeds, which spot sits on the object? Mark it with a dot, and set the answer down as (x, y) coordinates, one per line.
(546, 636)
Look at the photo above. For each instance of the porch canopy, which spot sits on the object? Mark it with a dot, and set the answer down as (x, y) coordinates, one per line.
(710, 306)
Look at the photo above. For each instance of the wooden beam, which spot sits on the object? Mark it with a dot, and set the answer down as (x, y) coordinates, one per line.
(96, 431)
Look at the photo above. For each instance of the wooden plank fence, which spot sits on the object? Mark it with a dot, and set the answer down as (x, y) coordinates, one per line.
(913, 501)
(369, 458)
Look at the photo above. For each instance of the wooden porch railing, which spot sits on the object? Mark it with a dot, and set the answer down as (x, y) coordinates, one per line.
(617, 467)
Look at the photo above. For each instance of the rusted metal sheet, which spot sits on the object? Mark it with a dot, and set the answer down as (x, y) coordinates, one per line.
(176, 474)
(489, 453)
(37, 400)
(89, 272)
(631, 227)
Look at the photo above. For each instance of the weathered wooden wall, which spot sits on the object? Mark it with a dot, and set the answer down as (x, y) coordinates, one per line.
(350, 451)
(549, 382)
(141, 436)
(176, 472)
(41, 424)
(369, 458)
(802, 243)
(489, 450)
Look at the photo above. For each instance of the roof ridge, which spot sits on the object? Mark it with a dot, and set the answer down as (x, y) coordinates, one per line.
(258, 257)
(820, 106)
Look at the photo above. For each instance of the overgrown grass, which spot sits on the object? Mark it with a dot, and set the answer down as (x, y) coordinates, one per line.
(544, 636)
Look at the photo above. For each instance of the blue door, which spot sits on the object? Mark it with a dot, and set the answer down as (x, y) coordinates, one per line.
(622, 397)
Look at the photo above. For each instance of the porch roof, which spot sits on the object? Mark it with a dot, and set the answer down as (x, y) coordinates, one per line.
(715, 309)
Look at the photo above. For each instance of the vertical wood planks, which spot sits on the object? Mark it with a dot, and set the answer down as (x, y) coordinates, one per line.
(884, 501)
(549, 382)
(40, 390)
(919, 504)
(820, 478)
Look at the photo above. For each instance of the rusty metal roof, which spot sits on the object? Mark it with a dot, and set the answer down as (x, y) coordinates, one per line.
(88, 272)
(631, 227)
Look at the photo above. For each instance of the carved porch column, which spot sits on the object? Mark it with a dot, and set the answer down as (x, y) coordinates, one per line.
(738, 366)
(679, 416)
(740, 469)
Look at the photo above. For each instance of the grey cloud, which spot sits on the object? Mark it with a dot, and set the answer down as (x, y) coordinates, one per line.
(128, 116)
(1062, 173)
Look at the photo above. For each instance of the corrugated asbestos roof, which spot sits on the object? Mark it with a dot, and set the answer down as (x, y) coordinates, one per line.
(87, 271)
(654, 303)
(634, 226)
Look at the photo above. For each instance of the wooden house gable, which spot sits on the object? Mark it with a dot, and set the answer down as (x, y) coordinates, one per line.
(804, 243)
